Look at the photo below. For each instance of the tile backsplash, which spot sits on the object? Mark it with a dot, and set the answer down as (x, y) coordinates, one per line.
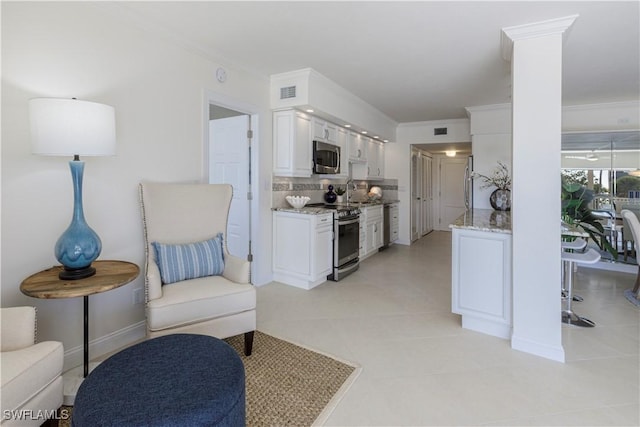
(316, 187)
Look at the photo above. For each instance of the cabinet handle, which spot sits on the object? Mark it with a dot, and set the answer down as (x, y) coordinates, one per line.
(359, 153)
(378, 171)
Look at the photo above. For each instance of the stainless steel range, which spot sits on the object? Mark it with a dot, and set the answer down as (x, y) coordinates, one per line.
(346, 240)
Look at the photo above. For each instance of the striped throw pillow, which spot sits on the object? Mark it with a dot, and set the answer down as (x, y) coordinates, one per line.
(189, 261)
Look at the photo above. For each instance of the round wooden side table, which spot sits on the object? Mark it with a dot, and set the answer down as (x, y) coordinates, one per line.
(46, 284)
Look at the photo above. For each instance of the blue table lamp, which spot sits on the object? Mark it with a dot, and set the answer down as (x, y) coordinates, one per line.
(69, 127)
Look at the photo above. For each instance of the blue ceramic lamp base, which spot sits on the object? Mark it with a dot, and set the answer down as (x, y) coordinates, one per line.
(79, 245)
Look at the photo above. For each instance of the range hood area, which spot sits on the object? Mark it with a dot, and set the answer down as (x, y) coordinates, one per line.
(309, 91)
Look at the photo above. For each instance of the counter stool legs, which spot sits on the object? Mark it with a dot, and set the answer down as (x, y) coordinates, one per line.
(568, 316)
(571, 246)
(569, 258)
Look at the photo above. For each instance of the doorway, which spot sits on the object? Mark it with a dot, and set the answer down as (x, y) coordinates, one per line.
(230, 156)
(229, 163)
(450, 190)
(421, 194)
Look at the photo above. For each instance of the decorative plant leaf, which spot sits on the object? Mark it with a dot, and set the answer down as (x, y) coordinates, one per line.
(576, 211)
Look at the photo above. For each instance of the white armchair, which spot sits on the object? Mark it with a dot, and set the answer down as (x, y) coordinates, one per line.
(31, 386)
(217, 305)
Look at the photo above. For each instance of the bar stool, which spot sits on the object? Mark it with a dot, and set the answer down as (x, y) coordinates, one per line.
(591, 256)
(572, 246)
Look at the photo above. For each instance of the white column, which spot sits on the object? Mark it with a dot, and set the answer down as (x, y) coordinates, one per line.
(535, 51)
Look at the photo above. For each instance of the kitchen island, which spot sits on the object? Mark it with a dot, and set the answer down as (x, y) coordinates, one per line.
(481, 271)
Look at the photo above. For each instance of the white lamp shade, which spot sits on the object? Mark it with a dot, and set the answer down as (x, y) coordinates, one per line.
(66, 127)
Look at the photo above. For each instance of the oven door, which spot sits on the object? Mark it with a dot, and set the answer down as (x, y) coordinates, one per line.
(347, 241)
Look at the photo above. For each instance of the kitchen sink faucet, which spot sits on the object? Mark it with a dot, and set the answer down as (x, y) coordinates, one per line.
(350, 183)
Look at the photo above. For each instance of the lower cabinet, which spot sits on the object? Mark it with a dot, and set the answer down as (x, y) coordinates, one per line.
(481, 280)
(373, 230)
(302, 248)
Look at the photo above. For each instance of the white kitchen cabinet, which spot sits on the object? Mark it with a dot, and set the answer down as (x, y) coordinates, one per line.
(373, 230)
(302, 248)
(481, 280)
(375, 159)
(341, 141)
(373, 168)
(357, 150)
(323, 130)
(292, 144)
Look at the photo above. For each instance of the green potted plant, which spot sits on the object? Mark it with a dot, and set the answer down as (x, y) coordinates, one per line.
(576, 212)
(340, 192)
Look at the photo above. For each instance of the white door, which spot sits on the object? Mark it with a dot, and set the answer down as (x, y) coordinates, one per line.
(416, 204)
(427, 223)
(229, 164)
(451, 191)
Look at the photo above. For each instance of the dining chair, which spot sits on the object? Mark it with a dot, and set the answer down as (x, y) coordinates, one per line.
(634, 226)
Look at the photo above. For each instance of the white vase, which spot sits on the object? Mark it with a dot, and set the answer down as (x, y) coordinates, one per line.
(339, 199)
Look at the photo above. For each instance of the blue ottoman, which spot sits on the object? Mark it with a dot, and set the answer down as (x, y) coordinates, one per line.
(174, 380)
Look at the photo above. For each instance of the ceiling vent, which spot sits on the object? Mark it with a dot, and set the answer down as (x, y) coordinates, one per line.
(287, 92)
(440, 131)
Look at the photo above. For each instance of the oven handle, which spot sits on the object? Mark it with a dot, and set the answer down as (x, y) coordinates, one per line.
(349, 221)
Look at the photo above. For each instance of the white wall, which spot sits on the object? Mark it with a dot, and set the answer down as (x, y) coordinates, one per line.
(88, 51)
(491, 142)
(598, 117)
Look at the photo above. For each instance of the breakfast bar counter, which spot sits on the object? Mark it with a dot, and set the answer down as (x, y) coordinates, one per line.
(481, 271)
(484, 220)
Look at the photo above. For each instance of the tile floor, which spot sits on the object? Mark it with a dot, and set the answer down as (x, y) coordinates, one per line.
(394, 318)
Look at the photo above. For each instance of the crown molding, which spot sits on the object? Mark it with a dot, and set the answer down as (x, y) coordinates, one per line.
(537, 29)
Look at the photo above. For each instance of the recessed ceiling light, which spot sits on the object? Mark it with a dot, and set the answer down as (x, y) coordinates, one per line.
(385, 140)
(309, 110)
(364, 132)
(347, 126)
(450, 153)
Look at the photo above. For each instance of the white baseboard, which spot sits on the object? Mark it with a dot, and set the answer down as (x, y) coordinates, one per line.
(116, 340)
(538, 349)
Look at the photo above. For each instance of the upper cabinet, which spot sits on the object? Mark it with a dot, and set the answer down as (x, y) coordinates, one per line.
(375, 158)
(343, 143)
(292, 144)
(324, 131)
(373, 167)
(357, 150)
(293, 136)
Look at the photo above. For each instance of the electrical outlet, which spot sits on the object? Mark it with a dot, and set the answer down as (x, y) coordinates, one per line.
(138, 296)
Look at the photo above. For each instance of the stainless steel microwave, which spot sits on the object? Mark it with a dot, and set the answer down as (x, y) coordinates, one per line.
(326, 158)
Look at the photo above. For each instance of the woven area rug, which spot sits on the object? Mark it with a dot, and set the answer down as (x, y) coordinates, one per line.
(287, 384)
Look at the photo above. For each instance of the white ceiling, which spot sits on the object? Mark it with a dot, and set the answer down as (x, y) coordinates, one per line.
(414, 61)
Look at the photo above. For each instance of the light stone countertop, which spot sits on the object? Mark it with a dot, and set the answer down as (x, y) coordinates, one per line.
(306, 210)
(319, 210)
(484, 220)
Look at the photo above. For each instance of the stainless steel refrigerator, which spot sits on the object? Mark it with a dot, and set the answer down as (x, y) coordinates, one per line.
(468, 184)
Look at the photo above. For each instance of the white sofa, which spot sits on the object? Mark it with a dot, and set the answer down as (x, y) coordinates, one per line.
(31, 383)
